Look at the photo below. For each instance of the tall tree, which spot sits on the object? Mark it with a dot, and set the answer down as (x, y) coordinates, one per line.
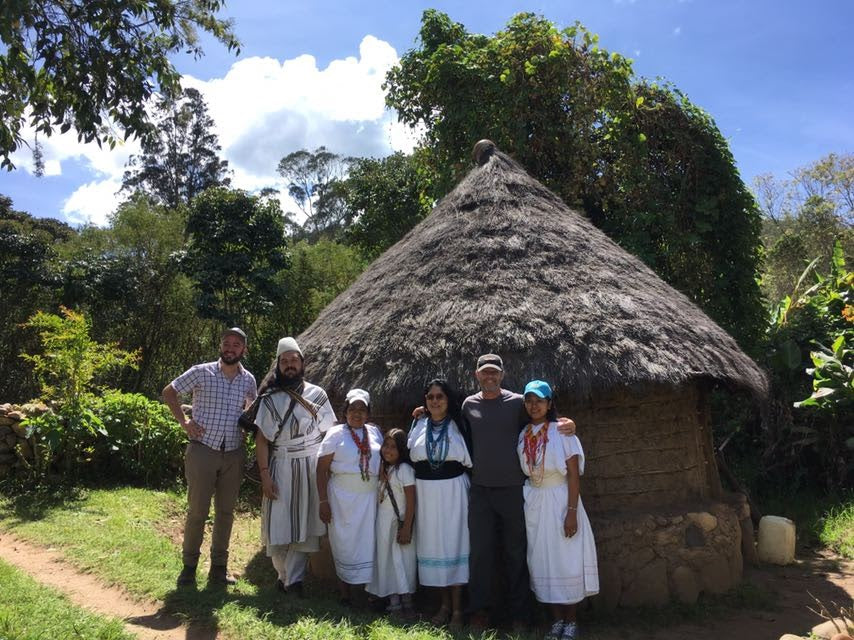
(804, 216)
(236, 248)
(314, 182)
(182, 160)
(644, 163)
(92, 65)
(29, 282)
(387, 197)
(128, 279)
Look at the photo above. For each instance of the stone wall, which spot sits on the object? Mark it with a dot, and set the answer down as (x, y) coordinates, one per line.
(16, 449)
(669, 554)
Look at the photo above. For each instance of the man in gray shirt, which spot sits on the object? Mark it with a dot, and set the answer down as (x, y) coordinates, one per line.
(494, 418)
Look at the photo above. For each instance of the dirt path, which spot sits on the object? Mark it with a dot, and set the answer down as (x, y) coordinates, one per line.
(825, 576)
(146, 620)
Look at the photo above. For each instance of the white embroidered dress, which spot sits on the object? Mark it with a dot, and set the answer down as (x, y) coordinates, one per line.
(353, 502)
(294, 517)
(563, 570)
(442, 508)
(395, 569)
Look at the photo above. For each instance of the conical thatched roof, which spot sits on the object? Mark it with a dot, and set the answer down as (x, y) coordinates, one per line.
(503, 265)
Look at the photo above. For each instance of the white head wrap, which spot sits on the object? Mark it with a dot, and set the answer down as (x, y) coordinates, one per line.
(288, 344)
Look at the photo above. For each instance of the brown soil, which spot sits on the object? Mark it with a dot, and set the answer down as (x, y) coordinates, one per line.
(824, 575)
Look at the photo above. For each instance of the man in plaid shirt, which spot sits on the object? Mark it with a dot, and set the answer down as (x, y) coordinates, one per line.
(214, 460)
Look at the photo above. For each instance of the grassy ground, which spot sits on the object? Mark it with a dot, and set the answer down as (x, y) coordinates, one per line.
(131, 537)
(837, 529)
(29, 611)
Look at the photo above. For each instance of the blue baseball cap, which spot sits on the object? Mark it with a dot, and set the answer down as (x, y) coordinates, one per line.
(539, 388)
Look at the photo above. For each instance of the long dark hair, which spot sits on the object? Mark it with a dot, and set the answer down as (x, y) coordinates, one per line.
(454, 404)
(400, 437)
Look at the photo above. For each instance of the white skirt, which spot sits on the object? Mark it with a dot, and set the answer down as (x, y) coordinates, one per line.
(563, 570)
(395, 569)
(352, 530)
(294, 516)
(442, 531)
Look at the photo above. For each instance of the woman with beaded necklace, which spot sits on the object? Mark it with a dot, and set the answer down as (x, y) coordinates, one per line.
(440, 458)
(561, 550)
(348, 466)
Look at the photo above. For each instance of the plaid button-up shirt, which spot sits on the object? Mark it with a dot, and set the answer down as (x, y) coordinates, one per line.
(217, 402)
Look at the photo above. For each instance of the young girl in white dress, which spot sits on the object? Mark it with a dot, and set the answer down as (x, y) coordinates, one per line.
(395, 567)
(561, 550)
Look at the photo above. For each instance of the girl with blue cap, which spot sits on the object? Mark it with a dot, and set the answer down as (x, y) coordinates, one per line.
(561, 549)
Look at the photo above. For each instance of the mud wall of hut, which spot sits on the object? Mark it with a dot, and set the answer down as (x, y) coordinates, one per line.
(645, 448)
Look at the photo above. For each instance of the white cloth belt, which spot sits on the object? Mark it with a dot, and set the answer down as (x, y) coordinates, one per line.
(301, 448)
(353, 482)
(549, 480)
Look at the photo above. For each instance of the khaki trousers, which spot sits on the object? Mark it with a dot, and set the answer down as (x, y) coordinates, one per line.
(210, 474)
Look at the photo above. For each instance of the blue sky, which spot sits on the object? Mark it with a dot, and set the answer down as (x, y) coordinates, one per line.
(776, 77)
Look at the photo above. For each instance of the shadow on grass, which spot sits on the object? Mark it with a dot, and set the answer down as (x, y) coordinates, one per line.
(31, 503)
(200, 608)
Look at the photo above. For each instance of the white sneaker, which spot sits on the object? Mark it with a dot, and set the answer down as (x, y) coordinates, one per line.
(570, 631)
(556, 632)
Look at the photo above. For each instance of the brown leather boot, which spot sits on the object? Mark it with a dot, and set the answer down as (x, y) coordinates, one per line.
(218, 574)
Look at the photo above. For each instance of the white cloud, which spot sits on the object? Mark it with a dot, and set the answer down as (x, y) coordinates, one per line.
(677, 31)
(263, 110)
(93, 202)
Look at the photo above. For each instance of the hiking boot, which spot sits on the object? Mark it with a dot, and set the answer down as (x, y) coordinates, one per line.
(218, 574)
(187, 576)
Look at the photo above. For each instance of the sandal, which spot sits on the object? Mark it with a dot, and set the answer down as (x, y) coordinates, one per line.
(441, 617)
(456, 623)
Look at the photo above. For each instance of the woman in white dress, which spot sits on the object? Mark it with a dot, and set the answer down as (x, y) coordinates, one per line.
(440, 458)
(561, 550)
(395, 569)
(348, 465)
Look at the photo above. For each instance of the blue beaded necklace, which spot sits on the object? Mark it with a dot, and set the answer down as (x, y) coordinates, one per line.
(438, 442)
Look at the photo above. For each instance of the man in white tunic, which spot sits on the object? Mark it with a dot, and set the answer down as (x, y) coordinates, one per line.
(292, 417)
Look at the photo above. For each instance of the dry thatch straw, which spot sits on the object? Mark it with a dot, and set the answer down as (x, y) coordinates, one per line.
(503, 265)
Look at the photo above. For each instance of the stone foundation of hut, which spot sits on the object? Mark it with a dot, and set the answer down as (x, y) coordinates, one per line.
(668, 554)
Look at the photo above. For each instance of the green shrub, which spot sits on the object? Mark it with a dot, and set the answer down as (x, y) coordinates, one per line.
(141, 442)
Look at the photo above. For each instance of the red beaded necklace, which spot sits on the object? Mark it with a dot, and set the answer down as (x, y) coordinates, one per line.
(364, 448)
(534, 446)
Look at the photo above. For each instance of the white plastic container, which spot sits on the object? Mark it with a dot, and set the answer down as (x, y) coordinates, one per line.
(776, 540)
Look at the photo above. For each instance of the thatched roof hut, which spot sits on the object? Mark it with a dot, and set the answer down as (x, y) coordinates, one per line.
(503, 265)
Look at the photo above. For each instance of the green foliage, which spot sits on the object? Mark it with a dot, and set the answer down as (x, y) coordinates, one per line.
(70, 360)
(28, 281)
(804, 217)
(816, 441)
(646, 165)
(93, 64)
(128, 279)
(68, 368)
(387, 197)
(182, 159)
(837, 529)
(236, 247)
(141, 443)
